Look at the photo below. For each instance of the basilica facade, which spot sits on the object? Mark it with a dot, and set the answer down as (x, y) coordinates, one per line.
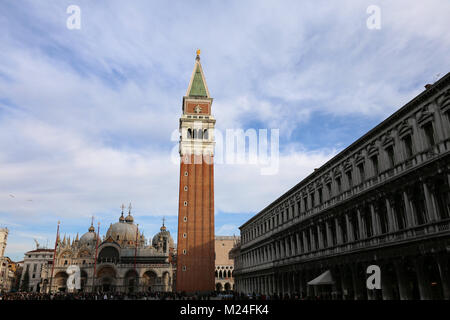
(126, 262)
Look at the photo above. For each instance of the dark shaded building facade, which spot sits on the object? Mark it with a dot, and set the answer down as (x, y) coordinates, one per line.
(384, 200)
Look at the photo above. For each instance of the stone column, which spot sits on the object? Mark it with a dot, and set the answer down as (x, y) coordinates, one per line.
(272, 284)
(276, 283)
(391, 226)
(263, 285)
(338, 232)
(350, 235)
(431, 209)
(448, 178)
(255, 285)
(305, 242)
(272, 252)
(358, 283)
(445, 276)
(282, 249)
(266, 285)
(295, 281)
(439, 128)
(297, 238)
(375, 227)
(362, 232)
(292, 245)
(403, 285)
(311, 236)
(409, 214)
(422, 279)
(386, 285)
(328, 232)
(287, 282)
(258, 285)
(345, 284)
(291, 282)
(302, 284)
(286, 247)
(319, 237)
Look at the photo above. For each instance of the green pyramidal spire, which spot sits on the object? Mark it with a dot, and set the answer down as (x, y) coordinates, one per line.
(198, 84)
(198, 88)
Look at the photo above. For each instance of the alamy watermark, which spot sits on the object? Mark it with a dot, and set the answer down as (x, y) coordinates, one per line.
(373, 22)
(74, 20)
(259, 147)
(374, 280)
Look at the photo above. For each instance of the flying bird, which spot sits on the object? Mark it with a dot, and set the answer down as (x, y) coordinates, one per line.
(11, 195)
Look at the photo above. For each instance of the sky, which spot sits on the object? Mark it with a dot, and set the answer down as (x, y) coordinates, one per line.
(87, 115)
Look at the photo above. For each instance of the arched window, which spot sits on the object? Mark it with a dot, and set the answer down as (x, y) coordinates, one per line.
(195, 134)
(200, 134)
(108, 254)
(189, 133)
(205, 134)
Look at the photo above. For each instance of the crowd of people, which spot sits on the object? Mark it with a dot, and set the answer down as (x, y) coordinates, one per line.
(152, 296)
(104, 296)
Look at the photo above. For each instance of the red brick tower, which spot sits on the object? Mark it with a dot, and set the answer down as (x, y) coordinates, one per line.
(195, 248)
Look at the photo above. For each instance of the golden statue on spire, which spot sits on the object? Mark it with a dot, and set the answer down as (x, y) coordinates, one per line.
(198, 52)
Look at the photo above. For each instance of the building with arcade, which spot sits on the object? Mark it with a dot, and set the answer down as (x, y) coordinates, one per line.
(384, 200)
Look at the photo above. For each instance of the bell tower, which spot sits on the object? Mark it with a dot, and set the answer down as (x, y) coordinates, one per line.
(195, 248)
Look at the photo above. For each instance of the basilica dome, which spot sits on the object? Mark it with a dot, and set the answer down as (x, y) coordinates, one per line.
(89, 238)
(124, 230)
(163, 234)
